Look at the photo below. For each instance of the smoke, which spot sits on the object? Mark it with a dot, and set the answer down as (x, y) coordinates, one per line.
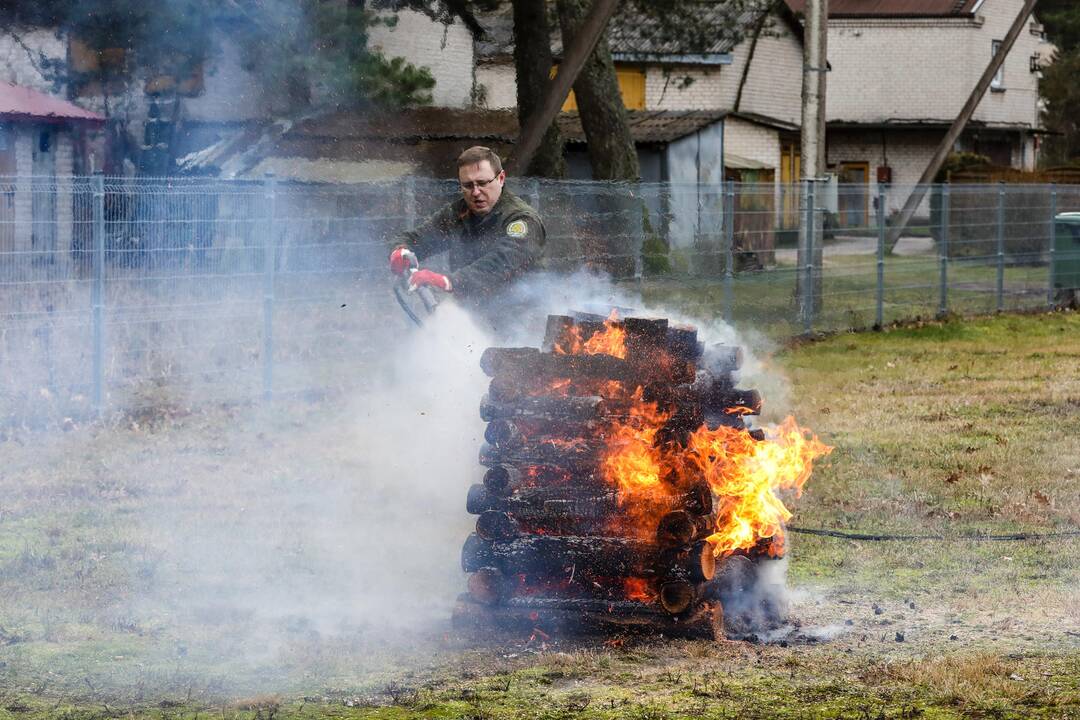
(541, 294)
(355, 533)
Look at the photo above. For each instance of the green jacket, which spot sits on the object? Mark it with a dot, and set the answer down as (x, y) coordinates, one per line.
(486, 252)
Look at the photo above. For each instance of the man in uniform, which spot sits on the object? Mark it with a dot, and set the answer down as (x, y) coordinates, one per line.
(491, 236)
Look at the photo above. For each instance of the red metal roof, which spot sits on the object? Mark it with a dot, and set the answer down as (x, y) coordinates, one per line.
(20, 103)
(892, 8)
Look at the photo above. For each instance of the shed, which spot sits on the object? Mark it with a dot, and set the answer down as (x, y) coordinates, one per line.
(43, 143)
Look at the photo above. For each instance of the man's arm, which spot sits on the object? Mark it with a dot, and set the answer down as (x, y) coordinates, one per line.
(517, 250)
(432, 236)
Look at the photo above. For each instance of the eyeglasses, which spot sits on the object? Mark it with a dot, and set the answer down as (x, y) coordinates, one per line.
(481, 184)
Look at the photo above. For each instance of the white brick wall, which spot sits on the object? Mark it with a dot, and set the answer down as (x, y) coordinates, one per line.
(17, 66)
(752, 142)
(690, 87)
(906, 152)
(65, 156)
(24, 166)
(229, 92)
(447, 51)
(774, 85)
(924, 69)
(500, 85)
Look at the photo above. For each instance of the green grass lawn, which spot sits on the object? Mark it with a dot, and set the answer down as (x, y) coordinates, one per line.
(766, 300)
(953, 429)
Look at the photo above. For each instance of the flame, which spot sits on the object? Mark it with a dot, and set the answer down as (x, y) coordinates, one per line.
(743, 474)
(638, 589)
(610, 341)
(631, 462)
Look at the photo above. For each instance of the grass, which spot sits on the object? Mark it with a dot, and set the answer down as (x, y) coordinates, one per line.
(765, 301)
(110, 608)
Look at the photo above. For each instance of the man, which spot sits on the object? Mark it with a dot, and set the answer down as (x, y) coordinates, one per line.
(490, 234)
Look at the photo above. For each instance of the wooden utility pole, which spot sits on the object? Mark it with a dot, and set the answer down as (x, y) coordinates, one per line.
(558, 87)
(961, 121)
(815, 69)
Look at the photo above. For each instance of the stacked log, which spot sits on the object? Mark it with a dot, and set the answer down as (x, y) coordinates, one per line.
(556, 542)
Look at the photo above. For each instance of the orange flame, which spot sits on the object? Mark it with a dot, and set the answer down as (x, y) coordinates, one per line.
(638, 589)
(610, 341)
(745, 474)
(632, 463)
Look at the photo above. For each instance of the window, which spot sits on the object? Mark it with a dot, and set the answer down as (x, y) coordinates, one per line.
(631, 85)
(998, 83)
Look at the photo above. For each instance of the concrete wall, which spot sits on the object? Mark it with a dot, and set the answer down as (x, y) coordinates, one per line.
(924, 69)
(447, 51)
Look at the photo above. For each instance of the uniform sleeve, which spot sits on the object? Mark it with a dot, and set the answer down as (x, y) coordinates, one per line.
(432, 236)
(517, 250)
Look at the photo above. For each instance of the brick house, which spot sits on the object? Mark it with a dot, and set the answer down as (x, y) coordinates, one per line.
(43, 142)
(754, 82)
(901, 71)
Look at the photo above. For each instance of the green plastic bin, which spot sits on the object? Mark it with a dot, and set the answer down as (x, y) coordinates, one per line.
(1067, 253)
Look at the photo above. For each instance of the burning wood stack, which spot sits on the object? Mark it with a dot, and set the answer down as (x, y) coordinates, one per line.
(623, 486)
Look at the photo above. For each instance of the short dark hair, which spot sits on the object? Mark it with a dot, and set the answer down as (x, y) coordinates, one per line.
(478, 154)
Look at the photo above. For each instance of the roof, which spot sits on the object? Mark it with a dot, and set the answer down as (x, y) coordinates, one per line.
(633, 36)
(649, 126)
(365, 137)
(22, 103)
(436, 123)
(893, 8)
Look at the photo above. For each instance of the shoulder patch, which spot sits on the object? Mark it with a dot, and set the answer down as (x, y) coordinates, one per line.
(517, 229)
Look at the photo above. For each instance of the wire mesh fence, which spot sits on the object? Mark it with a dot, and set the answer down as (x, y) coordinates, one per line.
(112, 287)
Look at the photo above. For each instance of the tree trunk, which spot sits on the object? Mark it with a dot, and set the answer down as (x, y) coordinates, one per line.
(532, 62)
(603, 117)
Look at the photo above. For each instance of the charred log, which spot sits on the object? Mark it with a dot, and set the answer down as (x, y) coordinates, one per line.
(676, 596)
(496, 526)
(676, 529)
(488, 586)
(589, 501)
(565, 555)
(579, 457)
(543, 408)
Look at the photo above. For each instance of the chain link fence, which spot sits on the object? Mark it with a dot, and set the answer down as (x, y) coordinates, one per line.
(112, 289)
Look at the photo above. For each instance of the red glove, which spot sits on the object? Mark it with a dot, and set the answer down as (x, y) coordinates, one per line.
(428, 277)
(401, 260)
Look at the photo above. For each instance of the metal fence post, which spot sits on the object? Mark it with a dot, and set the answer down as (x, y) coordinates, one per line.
(98, 293)
(882, 231)
(534, 193)
(729, 251)
(1050, 295)
(808, 279)
(943, 303)
(1001, 247)
(410, 203)
(270, 248)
